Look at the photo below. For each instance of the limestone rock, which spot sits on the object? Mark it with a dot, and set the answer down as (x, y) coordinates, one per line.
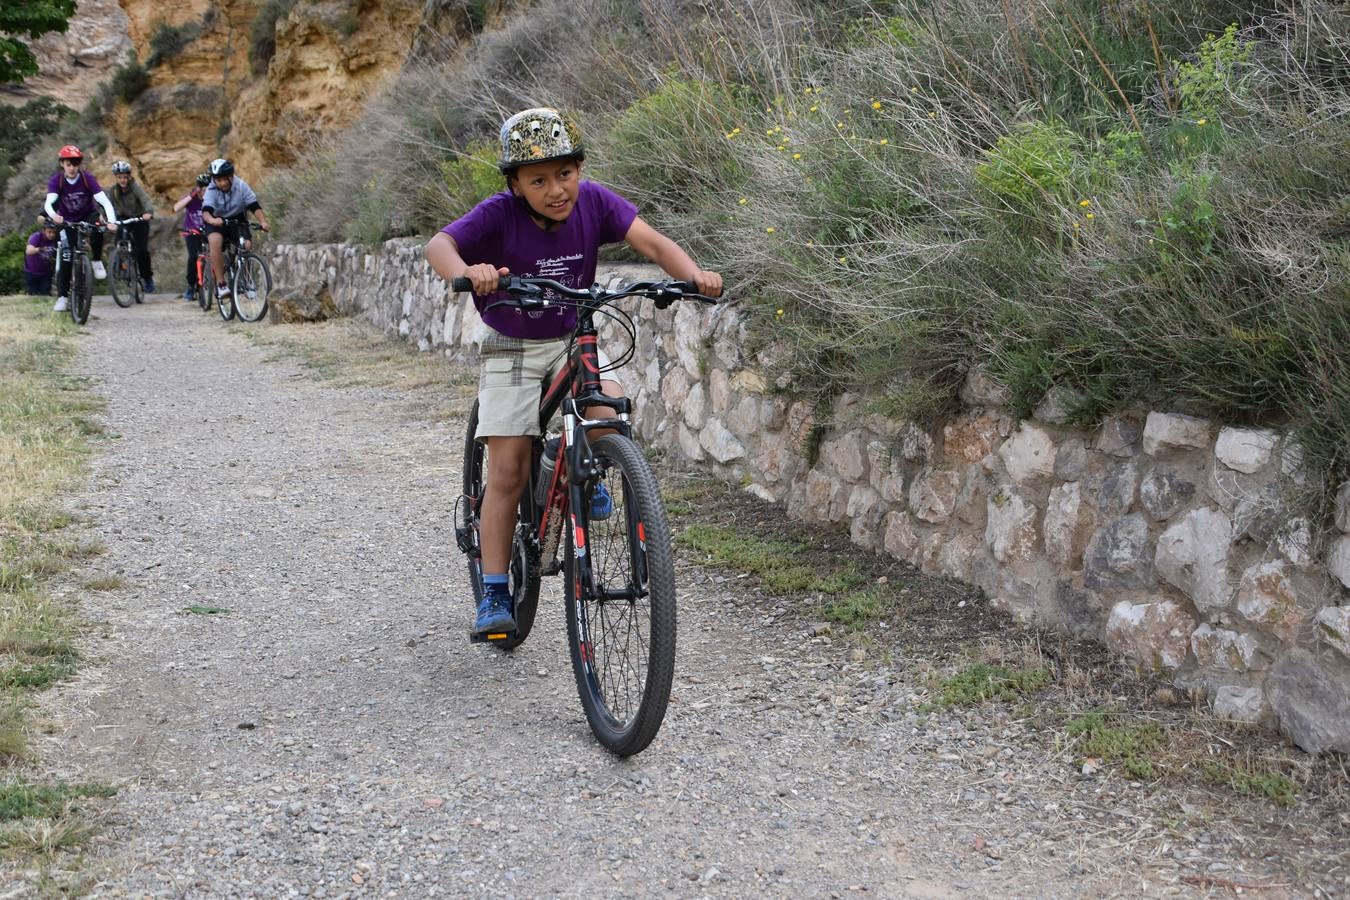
(1266, 597)
(980, 390)
(901, 540)
(1058, 404)
(1164, 491)
(1157, 634)
(1192, 556)
(307, 302)
(1118, 486)
(1010, 532)
(1119, 555)
(1343, 508)
(1029, 454)
(1238, 703)
(1068, 525)
(1338, 559)
(1117, 437)
(720, 443)
(1071, 460)
(969, 440)
(846, 455)
(1333, 628)
(1246, 450)
(694, 406)
(932, 495)
(1166, 431)
(1311, 706)
(1221, 648)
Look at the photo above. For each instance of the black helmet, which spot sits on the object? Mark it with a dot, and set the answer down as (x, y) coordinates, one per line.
(203, 180)
(221, 168)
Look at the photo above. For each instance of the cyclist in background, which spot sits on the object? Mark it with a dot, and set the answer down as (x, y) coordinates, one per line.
(39, 258)
(548, 223)
(131, 201)
(228, 198)
(73, 195)
(192, 229)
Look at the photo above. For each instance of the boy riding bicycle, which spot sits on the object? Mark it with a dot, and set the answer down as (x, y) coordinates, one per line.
(547, 223)
(130, 201)
(73, 195)
(39, 260)
(227, 201)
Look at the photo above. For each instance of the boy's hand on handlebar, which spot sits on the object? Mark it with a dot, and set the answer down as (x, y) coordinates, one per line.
(485, 277)
(709, 283)
(111, 226)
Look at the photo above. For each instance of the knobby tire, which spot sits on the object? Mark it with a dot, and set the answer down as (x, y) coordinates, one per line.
(119, 280)
(251, 275)
(623, 648)
(81, 289)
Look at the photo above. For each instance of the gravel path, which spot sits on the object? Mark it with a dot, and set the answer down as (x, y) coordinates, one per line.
(334, 732)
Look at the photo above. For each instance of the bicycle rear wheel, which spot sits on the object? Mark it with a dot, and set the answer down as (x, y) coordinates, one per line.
(226, 303)
(205, 283)
(120, 280)
(81, 289)
(523, 570)
(252, 284)
(621, 626)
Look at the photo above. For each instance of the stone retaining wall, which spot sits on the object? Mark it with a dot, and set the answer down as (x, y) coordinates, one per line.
(1162, 535)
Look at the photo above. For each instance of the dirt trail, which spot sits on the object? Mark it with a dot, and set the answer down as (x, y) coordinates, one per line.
(330, 731)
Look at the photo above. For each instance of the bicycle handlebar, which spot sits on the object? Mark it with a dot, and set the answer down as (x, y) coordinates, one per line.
(529, 292)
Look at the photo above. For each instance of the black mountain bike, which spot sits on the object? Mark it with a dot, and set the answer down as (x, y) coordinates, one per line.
(81, 268)
(124, 276)
(246, 273)
(619, 577)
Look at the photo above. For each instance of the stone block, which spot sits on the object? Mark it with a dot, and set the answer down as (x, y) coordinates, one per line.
(1156, 634)
(695, 406)
(846, 456)
(864, 511)
(689, 444)
(1333, 628)
(901, 540)
(976, 486)
(932, 495)
(748, 381)
(1246, 450)
(1173, 431)
(1165, 489)
(1119, 555)
(969, 440)
(1028, 455)
(309, 301)
(1311, 705)
(1115, 495)
(1058, 404)
(914, 443)
(1221, 648)
(1267, 598)
(1192, 556)
(1068, 525)
(1117, 437)
(957, 557)
(1338, 559)
(719, 392)
(1238, 703)
(1071, 460)
(980, 390)
(1010, 529)
(720, 443)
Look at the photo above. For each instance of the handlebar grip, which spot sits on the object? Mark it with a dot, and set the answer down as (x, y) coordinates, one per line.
(461, 284)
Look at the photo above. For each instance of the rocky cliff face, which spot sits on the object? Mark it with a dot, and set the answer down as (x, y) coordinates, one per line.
(71, 65)
(206, 100)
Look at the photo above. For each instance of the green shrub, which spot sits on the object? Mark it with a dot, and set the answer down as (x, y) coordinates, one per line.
(1219, 72)
(11, 262)
(1033, 166)
(167, 41)
(472, 175)
(130, 80)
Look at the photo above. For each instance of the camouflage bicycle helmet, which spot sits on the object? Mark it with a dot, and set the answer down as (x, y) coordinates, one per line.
(538, 135)
(203, 180)
(121, 167)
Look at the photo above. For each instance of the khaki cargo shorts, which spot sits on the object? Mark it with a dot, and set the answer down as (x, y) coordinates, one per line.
(512, 375)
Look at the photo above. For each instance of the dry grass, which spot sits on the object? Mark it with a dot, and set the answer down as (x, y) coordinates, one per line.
(351, 352)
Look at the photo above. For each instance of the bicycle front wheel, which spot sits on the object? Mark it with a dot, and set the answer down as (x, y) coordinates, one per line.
(81, 290)
(523, 570)
(224, 303)
(205, 283)
(120, 282)
(621, 624)
(252, 284)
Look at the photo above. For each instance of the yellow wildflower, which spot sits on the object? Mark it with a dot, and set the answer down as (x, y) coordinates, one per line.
(1202, 121)
(914, 90)
(843, 259)
(1076, 226)
(810, 243)
(883, 142)
(1085, 203)
(876, 104)
(796, 156)
(743, 201)
(779, 314)
(769, 230)
(1091, 216)
(782, 146)
(838, 124)
(814, 108)
(932, 115)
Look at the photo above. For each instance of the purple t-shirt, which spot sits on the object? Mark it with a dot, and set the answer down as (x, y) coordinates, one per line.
(192, 220)
(40, 263)
(500, 232)
(74, 201)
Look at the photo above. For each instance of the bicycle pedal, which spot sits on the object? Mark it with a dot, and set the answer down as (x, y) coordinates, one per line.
(491, 637)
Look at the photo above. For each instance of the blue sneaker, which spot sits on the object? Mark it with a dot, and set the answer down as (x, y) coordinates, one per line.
(149, 285)
(494, 611)
(602, 505)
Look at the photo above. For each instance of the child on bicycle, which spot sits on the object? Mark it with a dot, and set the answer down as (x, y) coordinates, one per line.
(73, 195)
(225, 206)
(39, 259)
(549, 223)
(192, 229)
(131, 201)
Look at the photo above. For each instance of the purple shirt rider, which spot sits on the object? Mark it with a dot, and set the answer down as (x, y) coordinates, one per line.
(40, 263)
(192, 218)
(74, 201)
(499, 231)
